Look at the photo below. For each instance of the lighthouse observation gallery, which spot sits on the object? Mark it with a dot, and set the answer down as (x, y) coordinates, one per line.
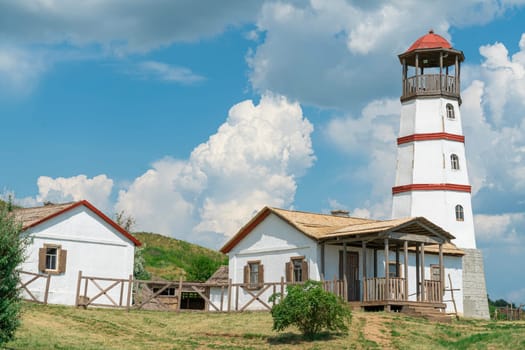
(431, 174)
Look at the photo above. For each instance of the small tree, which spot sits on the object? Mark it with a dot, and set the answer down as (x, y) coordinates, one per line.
(139, 266)
(202, 268)
(311, 309)
(12, 248)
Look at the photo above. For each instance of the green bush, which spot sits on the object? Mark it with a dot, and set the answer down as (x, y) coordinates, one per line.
(11, 255)
(311, 309)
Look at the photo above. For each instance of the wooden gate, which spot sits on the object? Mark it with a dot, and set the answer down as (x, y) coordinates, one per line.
(35, 277)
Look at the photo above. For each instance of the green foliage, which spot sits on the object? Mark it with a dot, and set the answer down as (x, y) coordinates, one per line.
(11, 255)
(139, 268)
(311, 309)
(202, 268)
(170, 258)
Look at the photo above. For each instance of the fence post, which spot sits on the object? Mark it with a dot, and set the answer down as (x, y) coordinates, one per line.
(77, 296)
(229, 294)
(46, 292)
(179, 292)
(130, 288)
(282, 288)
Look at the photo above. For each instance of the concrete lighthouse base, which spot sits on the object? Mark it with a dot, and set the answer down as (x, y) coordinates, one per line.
(475, 302)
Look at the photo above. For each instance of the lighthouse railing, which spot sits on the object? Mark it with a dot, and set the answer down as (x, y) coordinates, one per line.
(430, 84)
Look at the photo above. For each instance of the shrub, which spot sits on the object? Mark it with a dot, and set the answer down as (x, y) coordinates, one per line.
(11, 256)
(311, 309)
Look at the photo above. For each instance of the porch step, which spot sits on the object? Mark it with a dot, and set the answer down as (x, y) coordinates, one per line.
(428, 312)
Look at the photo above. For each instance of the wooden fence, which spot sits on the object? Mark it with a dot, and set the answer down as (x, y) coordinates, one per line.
(170, 295)
(509, 313)
(33, 278)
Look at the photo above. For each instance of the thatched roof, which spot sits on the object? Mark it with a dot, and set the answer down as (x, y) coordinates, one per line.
(220, 276)
(326, 227)
(31, 217)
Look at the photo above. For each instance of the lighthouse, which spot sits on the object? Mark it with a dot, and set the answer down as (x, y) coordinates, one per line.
(431, 172)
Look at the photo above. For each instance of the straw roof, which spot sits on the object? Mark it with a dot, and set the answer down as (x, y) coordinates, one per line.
(325, 227)
(31, 216)
(220, 276)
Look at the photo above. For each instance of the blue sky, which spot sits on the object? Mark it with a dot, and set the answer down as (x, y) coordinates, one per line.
(192, 115)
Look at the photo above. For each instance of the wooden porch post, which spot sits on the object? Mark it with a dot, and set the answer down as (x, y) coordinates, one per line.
(418, 289)
(423, 291)
(322, 261)
(375, 263)
(345, 286)
(387, 278)
(405, 248)
(441, 272)
(363, 278)
(397, 261)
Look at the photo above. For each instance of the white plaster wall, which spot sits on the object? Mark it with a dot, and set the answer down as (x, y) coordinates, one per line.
(272, 242)
(92, 246)
(401, 205)
(439, 207)
(407, 123)
(405, 158)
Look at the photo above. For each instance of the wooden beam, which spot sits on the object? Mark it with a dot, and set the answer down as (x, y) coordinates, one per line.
(423, 272)
(441, 272)
(363, 278)
(322, 260)
(418, 284)
(387, 277)
(412, 237)
(405, 250)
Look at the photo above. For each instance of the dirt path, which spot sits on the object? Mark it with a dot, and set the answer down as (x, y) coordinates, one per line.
(374, 329)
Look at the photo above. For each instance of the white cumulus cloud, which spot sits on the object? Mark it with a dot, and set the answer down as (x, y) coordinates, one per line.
(253, 160)
(96, 190)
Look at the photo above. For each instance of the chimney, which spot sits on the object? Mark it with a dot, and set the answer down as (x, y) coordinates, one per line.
(341, 213)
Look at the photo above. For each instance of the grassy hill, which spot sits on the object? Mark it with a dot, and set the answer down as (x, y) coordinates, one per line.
(169, 258)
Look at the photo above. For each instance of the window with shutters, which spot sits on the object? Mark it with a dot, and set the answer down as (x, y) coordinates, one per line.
(297, 269)
(254, 274)
(52, 259)
(435, 272)
(393, 269)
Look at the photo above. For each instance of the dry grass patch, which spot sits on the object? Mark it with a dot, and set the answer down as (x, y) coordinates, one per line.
(57, 327)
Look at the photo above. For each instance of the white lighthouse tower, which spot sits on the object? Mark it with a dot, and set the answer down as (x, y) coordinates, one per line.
(431, 175)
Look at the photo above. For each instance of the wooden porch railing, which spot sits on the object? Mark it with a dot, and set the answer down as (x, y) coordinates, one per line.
(375, 289)
(433, 291)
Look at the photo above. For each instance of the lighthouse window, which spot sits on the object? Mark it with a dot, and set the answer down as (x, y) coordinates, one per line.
(454, 161)
(460, 216)
(450, 111)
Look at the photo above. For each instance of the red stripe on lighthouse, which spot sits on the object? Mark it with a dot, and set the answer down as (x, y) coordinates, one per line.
(431, 187)
(431, 136)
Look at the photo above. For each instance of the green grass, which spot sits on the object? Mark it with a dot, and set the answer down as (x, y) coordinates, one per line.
(170, 258)
(59, 327)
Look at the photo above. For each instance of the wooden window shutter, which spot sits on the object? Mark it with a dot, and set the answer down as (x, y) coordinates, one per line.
(247, 274)
(261, 274)
(42, 259)
(304, 268)
(289, 271)
(62, 258)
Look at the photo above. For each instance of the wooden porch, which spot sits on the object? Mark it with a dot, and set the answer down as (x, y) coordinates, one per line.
(391, 287)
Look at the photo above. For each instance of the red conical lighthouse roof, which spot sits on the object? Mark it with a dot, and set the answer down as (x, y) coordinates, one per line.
(430, 41)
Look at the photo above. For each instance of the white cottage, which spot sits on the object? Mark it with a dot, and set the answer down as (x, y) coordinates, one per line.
(390, 264)
(72, 237)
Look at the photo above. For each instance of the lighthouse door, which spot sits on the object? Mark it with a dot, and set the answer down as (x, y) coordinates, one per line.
(352, 273)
